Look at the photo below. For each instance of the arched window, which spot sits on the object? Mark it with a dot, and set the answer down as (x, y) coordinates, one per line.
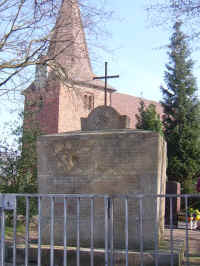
(85, 101)
(88, 101)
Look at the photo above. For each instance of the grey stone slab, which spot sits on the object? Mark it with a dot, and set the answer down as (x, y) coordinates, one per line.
(103, 162)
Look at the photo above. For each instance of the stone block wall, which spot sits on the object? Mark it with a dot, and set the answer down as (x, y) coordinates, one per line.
(74, 104)
(103, 162)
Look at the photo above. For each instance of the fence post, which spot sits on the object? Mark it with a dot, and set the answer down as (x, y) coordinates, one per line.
(7, 202)
(2, 230)
(110, 229)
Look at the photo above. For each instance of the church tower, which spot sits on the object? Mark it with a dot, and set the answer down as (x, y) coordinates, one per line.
(68, 44)
(64, 89)
(64, 86)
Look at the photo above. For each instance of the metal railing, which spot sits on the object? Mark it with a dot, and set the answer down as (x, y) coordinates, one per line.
(91, 229)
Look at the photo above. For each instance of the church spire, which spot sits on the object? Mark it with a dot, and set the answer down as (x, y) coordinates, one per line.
(68, 44)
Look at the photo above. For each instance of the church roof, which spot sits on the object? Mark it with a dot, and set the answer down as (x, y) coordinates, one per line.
(128, 105)
(68, 45)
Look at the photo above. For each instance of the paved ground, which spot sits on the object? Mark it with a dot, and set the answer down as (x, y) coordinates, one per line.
(193, 243)
(179, 234)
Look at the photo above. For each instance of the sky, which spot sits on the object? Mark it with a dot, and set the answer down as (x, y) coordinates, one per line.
(138, 55)
(140, 52)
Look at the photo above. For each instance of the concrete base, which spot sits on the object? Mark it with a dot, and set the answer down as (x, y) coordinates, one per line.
(119, 257)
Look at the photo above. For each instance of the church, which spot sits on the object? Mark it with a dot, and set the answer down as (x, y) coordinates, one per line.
(65, 90)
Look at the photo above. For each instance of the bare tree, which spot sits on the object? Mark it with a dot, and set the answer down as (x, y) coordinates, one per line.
(26, 28)
(163, 12)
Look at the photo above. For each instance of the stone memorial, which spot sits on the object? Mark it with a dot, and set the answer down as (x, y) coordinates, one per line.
(105, 157)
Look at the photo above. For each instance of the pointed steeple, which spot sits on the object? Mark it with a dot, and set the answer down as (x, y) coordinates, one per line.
(68, 44)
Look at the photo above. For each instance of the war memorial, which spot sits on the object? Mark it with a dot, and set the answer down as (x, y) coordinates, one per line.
(105, 158)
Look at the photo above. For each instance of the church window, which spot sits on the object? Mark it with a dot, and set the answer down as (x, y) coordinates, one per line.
(40, 104)
(85, 101)
(88, 101)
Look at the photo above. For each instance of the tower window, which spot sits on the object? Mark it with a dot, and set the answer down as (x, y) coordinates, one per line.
(85, 101)
(88, 101)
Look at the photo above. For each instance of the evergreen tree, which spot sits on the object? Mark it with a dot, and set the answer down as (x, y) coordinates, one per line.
(181, 112)
(148, 119)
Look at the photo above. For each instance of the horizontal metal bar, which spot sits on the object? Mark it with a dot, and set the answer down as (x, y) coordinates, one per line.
(109, 196)
(108, 77)
(60, 195)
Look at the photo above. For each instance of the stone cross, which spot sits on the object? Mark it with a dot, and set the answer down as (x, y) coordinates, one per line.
(106, 77)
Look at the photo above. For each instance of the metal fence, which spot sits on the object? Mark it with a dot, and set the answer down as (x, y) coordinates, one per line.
(93, 230)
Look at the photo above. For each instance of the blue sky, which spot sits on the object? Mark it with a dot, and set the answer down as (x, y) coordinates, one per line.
(140, 51)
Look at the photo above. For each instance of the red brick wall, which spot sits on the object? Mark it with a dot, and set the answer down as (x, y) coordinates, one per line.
(72, 106)
(128, 105)
(44, 103)
(62, 107)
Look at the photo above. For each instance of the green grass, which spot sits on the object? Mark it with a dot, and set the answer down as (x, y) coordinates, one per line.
(20, 231)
